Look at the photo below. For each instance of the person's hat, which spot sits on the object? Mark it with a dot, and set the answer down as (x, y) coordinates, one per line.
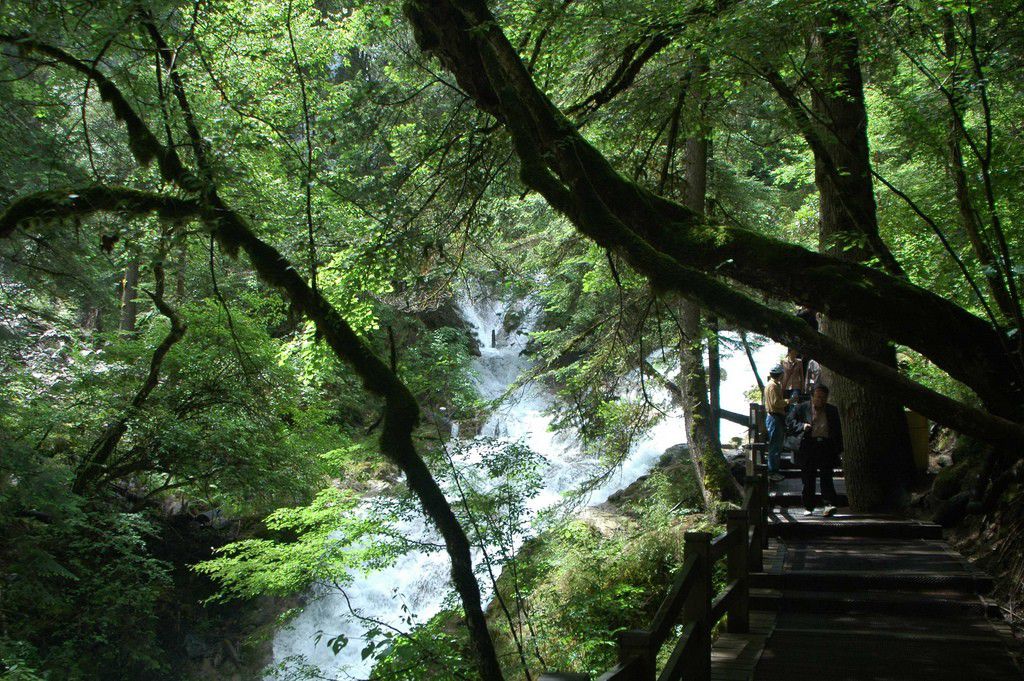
(776, 370)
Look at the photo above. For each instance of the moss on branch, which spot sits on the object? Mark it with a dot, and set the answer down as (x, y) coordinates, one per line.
(559, 162)
(57, 204)
(143, 143)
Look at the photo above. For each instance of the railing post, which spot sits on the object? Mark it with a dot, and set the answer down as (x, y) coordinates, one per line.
(637, 643)
(757, 437)
(698, 605)
(762, 483)
(752, 440)
(738, 566)
(755, 519)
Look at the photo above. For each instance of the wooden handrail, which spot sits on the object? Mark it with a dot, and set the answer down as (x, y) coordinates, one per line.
(683, 655)
(668, 613)
(723, 543)
(624, 671)
(720, 606)
(691, 597)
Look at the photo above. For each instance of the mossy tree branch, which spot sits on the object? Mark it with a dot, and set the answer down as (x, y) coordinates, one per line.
(401, 412)
(143, 143)
(672, 245)
(54, 205)
(470, 43)
(467, 39)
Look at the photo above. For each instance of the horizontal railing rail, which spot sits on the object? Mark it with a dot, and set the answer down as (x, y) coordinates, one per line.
(691, 601)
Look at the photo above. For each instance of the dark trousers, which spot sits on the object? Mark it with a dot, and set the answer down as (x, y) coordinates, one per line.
(818, 461)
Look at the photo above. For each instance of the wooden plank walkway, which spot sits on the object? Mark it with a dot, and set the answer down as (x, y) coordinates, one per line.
(857, 598)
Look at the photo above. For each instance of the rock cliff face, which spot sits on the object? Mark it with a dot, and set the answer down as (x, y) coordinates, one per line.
(210, 641)
(447, 315)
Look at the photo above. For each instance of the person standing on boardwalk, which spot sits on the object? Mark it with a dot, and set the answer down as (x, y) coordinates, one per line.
(812, 376)
(812, 369)
(821, 444)
(792, 376)
(775, 421)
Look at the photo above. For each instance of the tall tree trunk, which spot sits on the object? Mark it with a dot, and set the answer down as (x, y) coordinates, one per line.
(693, 386)
(129, 289)
(877, 457)
(705, 449)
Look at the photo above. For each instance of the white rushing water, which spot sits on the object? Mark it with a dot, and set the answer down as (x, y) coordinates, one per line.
(418, 581)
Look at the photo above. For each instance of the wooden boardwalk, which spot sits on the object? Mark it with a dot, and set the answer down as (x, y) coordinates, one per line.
(859, 598)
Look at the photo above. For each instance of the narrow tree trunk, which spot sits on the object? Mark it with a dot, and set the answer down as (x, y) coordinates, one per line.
(714, 377)
(969, 219)
(710, 467)
(753, 364)
(129, 289)
(877, 458)
(694, 395)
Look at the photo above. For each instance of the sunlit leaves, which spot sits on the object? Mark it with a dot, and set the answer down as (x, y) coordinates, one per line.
(333, 538)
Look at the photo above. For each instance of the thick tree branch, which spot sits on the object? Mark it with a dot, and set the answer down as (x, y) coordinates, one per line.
(469, 42)
(667, 274)
(52, 205)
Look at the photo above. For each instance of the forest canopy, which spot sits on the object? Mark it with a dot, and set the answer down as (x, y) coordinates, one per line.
(239, 240)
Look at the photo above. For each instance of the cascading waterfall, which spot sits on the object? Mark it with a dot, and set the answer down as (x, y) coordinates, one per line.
(419, 581)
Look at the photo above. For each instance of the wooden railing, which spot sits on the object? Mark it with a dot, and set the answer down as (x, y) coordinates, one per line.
(757, 437)
(692, 603)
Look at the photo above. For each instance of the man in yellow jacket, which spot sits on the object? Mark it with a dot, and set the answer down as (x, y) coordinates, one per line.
(775, 420)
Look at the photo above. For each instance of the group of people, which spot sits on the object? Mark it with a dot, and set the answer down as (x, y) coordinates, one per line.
(796, 402)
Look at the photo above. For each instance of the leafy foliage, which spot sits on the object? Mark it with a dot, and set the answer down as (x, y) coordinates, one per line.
(371, 171)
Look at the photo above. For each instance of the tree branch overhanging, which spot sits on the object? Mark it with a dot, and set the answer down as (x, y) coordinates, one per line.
(401, 412)
(143, 143)
(54, 205)
(467, 39)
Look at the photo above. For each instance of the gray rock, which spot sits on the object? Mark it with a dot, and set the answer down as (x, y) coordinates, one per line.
(675, 454)
(447, 315)
(512, 321)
